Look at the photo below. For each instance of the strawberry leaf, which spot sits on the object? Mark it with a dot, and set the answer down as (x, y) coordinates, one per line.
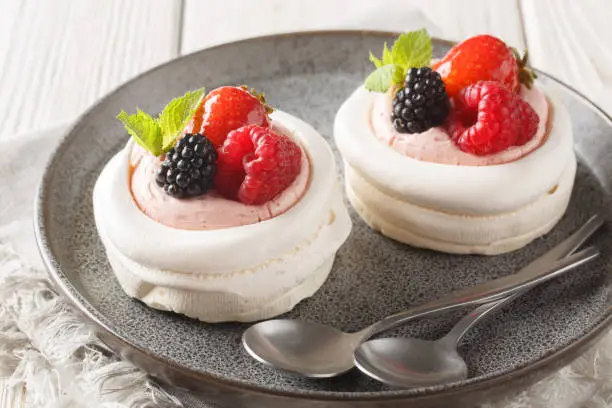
(525, 73)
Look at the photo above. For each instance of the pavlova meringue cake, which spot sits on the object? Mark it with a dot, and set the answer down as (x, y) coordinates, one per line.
(219, 209)
(465, 155)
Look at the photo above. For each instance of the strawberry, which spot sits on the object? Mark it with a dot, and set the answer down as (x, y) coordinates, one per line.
(488, 118)
(255, 164)
(225, 109)
(482, 58)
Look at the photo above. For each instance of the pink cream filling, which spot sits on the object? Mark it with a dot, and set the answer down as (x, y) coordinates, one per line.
(436, 146)
(209, 211)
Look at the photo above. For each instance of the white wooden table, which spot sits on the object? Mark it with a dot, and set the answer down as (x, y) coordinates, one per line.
(58, 57)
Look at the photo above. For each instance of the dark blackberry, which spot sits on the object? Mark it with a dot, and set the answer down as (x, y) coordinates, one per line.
(189, 167)
(422, 103)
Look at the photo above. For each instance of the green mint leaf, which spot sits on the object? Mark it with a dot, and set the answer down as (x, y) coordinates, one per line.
(381, 79)
(412, 49)
(377, 63)
(399, 75)
(144, 129)
(387, 56)
(176, 115)
(159, 135)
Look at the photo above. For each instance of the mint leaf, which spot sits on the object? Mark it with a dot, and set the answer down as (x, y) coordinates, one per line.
(399, 75)
(387, 56)
(159, 135)
(381, 79)
(176, 115)
(144, 129)
(412, 49)
(377, 63)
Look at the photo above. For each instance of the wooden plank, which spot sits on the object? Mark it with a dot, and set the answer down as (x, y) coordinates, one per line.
(572, 41)
(212, 22)
(58, 57)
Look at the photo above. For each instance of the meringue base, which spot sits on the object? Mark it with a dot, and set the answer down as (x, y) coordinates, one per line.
(489, 234)
(214, 306)
(256, 293)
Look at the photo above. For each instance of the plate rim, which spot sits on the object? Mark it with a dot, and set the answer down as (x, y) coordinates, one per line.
(443, 391)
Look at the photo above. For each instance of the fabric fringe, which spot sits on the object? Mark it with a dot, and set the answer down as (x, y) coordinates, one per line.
(46, 347)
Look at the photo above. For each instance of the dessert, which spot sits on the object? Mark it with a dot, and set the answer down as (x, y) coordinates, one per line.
(466, 154)
(220, 209)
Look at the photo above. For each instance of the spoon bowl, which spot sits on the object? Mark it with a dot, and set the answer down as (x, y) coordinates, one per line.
(302, 347)
(401, 361)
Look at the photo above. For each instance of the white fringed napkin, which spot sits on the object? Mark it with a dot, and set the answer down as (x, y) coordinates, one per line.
(47, 350)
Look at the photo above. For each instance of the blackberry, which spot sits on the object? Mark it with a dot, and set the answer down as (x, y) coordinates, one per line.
(422, 103)
(189, 167)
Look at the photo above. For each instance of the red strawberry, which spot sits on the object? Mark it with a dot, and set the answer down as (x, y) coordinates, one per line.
(225, 109)
(488, 118)
(479, 58)
(255, 164)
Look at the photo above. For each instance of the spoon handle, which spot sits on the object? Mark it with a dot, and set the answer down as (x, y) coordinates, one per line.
(535, 272)
(530, 276)
(470, 320)
(570, 245)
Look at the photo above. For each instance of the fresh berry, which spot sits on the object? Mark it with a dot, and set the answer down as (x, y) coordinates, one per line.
(422, 103)
(228, 108)
(189, 167)
(488, 118)
(479, 58)
(256, 164)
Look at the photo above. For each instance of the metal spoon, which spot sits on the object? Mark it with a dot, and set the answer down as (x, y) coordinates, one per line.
(409, 362)
(316, 350)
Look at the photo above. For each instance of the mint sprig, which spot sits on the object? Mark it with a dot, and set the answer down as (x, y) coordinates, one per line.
(144, 129)
(410, 50)
(158, 135)
(381, 79)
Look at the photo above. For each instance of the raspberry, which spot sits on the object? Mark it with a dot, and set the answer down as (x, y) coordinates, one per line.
(228, 108)
(488, 118)
(479, 58)
(189, 167)
(422, 103)
(256, 164)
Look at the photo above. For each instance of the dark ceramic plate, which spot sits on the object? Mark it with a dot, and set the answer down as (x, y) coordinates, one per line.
(309, 75)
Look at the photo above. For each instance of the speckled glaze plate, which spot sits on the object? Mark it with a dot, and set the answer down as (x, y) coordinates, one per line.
(309, 75)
